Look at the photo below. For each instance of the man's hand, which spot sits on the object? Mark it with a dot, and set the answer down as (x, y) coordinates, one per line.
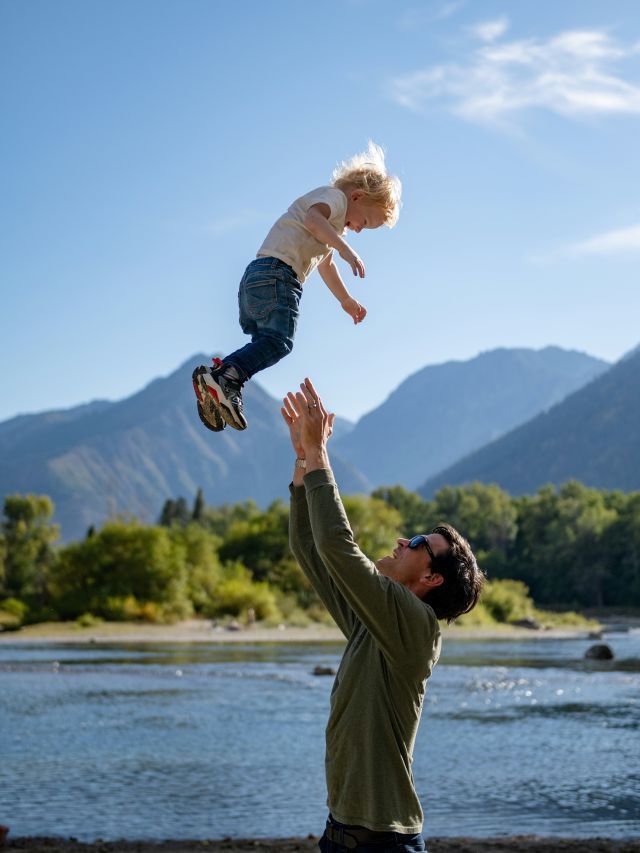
(295, 427)
(350, 257)
(354, 309)
(305, 411)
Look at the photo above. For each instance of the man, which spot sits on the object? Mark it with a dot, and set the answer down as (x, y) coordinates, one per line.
(389, 612)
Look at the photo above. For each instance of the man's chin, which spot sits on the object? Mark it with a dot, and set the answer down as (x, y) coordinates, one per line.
(385, 565)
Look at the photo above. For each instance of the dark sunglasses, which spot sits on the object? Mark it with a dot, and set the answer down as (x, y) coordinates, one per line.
(419, 540)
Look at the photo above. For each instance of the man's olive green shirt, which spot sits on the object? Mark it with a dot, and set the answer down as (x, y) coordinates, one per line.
(393, 642)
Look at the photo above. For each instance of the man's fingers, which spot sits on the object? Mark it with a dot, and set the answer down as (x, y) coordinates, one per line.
(332, 418)
(309, 401)
(297, 402)
(289, 407)
(311, 395)
(302, 404)
(308, 384)
(286, 416)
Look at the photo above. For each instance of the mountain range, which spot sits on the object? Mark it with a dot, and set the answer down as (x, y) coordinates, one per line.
(593, 436)
(445, 411)
(107, 458)
(129, 456)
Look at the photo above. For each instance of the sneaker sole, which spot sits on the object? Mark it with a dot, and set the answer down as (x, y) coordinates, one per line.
(210, 389)
(211, 418)
(208, 412)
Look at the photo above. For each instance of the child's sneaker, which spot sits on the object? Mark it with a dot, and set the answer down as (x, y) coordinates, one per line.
(208, 412)
(226, 392)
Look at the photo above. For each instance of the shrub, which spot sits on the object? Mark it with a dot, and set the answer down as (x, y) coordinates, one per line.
(507, 600)
(237, 593)
(88, 620)
(13, 613)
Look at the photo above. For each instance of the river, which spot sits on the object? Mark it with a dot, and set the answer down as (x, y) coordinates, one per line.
(208, 740)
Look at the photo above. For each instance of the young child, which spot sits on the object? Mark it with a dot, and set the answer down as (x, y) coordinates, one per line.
(361, 195)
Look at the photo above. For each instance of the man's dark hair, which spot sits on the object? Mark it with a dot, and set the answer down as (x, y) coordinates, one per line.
(463, 579)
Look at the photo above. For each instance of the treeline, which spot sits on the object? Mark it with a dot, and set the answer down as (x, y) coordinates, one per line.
(228, 561)
(571, 548)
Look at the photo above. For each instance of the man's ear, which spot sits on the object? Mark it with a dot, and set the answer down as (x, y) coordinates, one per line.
(433, 580)
(356, 195)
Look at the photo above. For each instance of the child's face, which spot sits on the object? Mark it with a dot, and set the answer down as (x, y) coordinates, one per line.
(362, 213)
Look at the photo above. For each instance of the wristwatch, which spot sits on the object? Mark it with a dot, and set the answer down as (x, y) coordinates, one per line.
(301, 463)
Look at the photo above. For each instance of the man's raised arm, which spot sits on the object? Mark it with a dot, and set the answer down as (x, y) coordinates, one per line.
(399, 621)
(301, 539)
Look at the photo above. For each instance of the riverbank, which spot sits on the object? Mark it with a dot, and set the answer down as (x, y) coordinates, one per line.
(515, 844)
(204, 631)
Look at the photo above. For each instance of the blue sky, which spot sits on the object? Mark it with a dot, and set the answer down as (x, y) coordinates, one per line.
(147, 147)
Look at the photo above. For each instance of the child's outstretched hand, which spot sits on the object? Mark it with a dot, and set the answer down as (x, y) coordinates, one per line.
(355, 261)
(354, 309)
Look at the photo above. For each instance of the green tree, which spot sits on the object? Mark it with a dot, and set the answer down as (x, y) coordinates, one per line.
(3, 557)
(415, 512)
(203, 567)
(199, 506)
(375, 524)
(167, 514)
(175, 512)
(560, 550)
(238, 593)
(219, 519)
(28, 537)
(260, 541)
(124, 570)
(484, 514)
(621, 547)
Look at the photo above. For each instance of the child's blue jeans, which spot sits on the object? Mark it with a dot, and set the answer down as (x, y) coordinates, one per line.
(269, 300)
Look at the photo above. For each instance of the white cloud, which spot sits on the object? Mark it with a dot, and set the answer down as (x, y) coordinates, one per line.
(612, 242)
(490, 30)
(575, 73)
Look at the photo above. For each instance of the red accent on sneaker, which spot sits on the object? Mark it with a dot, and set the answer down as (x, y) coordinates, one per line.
(197, 390)
(213, 393)
(217, 362)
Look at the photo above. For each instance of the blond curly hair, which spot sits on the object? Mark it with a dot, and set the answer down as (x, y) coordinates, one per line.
(367, 172)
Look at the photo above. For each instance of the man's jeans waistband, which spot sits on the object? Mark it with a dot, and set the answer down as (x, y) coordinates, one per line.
(353, 837)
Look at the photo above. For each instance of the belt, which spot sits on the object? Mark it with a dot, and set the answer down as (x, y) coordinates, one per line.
(354, 836)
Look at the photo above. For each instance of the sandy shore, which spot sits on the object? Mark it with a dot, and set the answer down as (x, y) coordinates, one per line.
(514, 844)
(203, 631)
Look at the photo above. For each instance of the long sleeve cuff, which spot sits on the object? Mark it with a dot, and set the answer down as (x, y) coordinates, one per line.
(319, 477)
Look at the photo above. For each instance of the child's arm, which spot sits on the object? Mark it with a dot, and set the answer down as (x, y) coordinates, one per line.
(316, 221)
(331, 277)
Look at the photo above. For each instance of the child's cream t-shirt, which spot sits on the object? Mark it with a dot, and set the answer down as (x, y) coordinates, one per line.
(292, 243)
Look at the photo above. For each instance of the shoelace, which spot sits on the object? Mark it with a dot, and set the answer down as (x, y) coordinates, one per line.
(217, 363)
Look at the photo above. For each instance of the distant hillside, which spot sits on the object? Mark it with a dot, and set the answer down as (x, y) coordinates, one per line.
(130, 456)
(592, 436)
(445, 411)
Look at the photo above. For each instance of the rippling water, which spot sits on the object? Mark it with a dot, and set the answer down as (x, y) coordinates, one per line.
(195, 741)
